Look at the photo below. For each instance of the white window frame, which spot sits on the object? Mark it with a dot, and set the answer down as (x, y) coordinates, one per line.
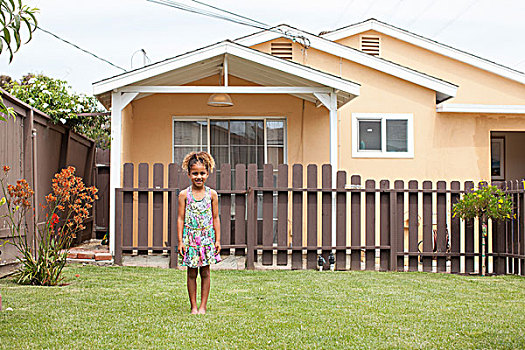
(383, 117)
(208, 119)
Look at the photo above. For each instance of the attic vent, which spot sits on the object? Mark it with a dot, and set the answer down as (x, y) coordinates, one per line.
(370, 45)
(282, 50)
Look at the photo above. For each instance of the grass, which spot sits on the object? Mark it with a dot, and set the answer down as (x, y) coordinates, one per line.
(131, 307)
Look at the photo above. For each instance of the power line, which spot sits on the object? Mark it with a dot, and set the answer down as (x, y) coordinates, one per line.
(81, 49)
(296, 38)
(229, 12)
(420, 14)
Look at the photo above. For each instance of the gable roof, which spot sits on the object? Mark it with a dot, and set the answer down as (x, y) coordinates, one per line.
(426, 43)
(444, 89)
(244, 62)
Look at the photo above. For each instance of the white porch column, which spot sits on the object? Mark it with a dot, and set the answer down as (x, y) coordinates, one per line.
(333, 157)
(118, 102)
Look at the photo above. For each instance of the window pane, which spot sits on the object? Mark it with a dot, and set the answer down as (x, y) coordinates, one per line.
(275, 132)
(188, 132)
(370, 135)
(495, 158)
(243, 155)
(220, 154)
(219, 132)
(243, 132)
(180, 152)
(275, 156)
(396, 135)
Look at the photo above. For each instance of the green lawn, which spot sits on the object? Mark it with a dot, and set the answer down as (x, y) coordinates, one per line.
(130, 307)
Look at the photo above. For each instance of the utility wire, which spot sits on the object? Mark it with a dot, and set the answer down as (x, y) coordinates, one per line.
(81, 49)
(301, 39)
(420, 14)
(230, 13)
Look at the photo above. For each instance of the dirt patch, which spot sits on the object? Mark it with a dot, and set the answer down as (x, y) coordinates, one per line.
(93, 245)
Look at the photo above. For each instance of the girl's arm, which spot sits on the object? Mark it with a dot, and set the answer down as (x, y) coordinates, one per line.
(180, 220)
(216, 220)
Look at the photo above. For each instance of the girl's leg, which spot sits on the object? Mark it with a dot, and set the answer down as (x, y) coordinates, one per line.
(191, 282)
(205, 288)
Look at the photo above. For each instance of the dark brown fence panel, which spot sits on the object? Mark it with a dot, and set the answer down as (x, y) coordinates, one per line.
(521, 247)
(442, 231)
(384, 225)
(173, 206)
(370, 235)
(413, 224)
(282, 215)
(240, 208)
(127, 202)
(311, 221)
(355, 223)
(515, 228)
(455, 233)
(225, 209)
(326, 216)
(143, 205)
(400, 229)
(102, 167)
(469, 237)
(427, 227)
(297, 217)
(340, 236)
(158, 205)
(267, 239)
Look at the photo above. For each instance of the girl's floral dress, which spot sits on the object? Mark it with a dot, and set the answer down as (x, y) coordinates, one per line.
(198, 235)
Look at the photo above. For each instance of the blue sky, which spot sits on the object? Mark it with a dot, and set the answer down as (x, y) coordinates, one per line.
(116, 29)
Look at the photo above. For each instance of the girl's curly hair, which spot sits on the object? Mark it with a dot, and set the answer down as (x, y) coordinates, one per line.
(198, 157)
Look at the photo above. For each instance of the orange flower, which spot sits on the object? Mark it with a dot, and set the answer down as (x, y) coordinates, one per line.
(6, 169)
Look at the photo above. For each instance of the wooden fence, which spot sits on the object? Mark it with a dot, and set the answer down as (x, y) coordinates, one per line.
(35, 149)
(378, 226)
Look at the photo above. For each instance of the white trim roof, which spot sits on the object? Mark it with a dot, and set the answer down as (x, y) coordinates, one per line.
(205, 61)
(480, 108)
(429, 44)
(444, 90)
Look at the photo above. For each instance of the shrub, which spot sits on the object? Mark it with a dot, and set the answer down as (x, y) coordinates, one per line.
(66, 210)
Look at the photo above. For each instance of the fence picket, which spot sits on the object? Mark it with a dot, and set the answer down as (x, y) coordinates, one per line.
(267, 239)
(355, 223)
(240, 208)
(455, 232)
(251, 225)
(441, 198)
(282, 215)
(469, 236)
(143, 205)
(297, 216)
(370, 217)
(326, 216)
(127, 202)
(311, 199)
(158, 205)
(225, 204)
(413, 223)
(173, 206)
(384, 225)
(340, 239)
(427, 226)
(400, 239)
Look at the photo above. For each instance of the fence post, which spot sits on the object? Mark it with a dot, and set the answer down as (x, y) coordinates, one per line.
(427, 226)
(118, 227)
(469, 236)
(326, 215)
(340, 239)
(311, 198)
(267, 238)
(400, 224)
(370, 200)
(413, 224)
(158, 205)
(127, 209)
(441, 199)
(251, 230)
(282, 215)
(297, 217)
(455, 223)
(226, 204)
(355, 228)
(143, 206)
(240, 208)
(173, 206)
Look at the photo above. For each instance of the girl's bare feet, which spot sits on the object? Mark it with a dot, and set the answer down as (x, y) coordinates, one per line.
(202, 311)
(195, 311)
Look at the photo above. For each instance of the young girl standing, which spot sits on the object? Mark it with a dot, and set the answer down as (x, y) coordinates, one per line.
(198, 227)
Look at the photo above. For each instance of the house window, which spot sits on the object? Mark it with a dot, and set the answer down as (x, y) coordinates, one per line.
(497, 158)
(232, 141)
(382, 135)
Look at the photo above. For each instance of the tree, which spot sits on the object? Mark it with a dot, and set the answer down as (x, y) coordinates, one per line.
(487, 202)
(17, 20)
(54, 97)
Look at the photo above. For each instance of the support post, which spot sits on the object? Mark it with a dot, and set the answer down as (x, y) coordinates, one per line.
(333, 155)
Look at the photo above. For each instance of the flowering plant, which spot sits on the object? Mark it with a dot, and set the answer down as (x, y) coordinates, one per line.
(487, 202)
(66, 209)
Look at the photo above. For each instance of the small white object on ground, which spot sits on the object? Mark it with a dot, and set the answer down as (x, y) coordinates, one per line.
(8, 309)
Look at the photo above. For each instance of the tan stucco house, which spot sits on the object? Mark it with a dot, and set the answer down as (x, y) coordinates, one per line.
(369, 98)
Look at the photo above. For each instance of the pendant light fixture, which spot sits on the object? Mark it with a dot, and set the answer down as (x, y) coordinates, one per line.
(221, 99)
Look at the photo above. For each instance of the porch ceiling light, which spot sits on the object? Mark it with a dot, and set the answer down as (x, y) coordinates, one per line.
(221, 99)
